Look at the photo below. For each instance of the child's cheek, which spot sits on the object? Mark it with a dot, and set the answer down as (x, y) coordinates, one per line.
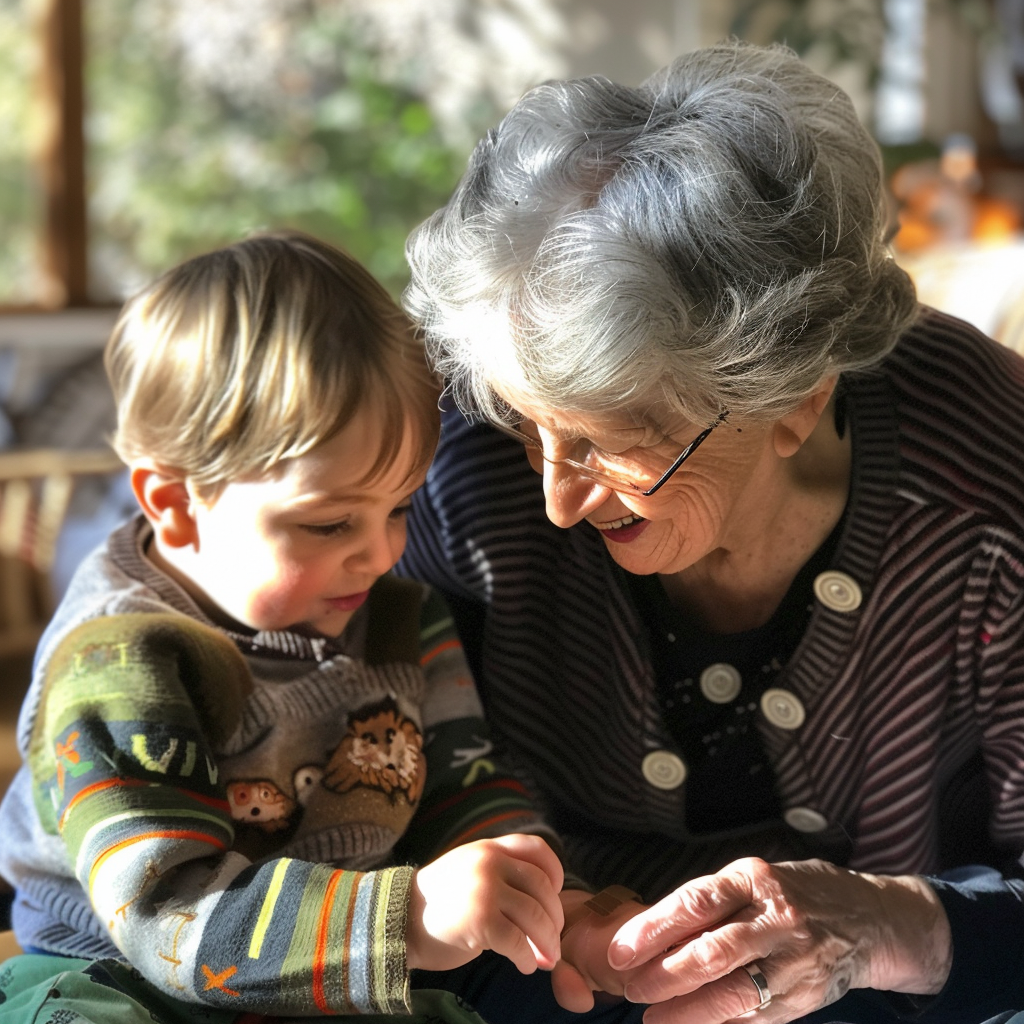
(273, 604)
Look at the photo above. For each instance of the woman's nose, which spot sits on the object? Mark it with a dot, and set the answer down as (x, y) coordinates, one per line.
(569, 494)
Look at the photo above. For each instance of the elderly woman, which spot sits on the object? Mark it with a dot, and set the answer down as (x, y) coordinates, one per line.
(765, 598)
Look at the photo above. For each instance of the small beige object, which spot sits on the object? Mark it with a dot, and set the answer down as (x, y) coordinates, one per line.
(720, 683)
(782, 708)
(805, 819)
(602, 903)
(761, 984)
(838, 591)
(663, 769)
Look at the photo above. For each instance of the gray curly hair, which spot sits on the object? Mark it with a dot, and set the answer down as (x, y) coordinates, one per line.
(714, 239)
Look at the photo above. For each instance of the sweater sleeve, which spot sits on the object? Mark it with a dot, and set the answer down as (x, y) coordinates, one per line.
(986, 979)
(122, 761)
(467, 795)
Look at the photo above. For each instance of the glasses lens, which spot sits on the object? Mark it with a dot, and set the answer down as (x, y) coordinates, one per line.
(636, 469)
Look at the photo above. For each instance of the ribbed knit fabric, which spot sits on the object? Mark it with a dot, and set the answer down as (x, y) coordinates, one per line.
(223, 810)
(899, 694)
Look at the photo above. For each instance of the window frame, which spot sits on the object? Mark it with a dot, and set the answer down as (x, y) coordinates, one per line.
(63, 263)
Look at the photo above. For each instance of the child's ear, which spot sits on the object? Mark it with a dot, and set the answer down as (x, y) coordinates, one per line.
(164, 499)
(790, 432)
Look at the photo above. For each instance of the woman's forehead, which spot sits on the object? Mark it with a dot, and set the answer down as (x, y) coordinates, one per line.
(624, 423)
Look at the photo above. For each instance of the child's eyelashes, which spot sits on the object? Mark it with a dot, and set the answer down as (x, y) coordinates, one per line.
(346, 524)
(327, 529)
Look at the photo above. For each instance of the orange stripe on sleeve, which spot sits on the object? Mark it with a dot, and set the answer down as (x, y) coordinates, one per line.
(199, 837)
(447, 645)
(320, 953)
(481, 825)
(96, 787)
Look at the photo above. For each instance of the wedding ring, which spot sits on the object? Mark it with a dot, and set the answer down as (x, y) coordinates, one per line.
(761, 984)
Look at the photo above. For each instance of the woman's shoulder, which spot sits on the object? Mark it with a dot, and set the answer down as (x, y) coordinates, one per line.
(480, 483)
(957, 398)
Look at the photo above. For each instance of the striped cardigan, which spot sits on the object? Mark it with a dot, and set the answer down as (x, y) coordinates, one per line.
(903, 696)
(224, 810)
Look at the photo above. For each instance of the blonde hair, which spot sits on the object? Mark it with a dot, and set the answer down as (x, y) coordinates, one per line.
(260, 351)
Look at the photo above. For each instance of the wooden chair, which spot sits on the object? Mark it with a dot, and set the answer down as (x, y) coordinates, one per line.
(35, 491)
(36, 488)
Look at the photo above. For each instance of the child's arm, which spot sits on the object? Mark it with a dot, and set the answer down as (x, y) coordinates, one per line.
(468, 794)
(123, 772)
(499, 894)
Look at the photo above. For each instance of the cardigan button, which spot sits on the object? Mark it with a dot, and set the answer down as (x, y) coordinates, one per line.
(663, 769)
(805, 819)
(838, 591)
(782, 708)
(720, 683)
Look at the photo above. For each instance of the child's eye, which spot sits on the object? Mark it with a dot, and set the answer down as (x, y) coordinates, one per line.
(327, 529)
(401, 511)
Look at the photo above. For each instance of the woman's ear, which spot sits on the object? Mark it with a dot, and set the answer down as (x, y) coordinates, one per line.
(165, 501)
(792, 430)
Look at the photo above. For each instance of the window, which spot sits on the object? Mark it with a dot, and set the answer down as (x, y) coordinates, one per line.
(168, 127)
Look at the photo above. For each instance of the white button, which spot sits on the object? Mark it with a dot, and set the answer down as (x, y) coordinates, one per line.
(805, 819)
(663, 769)
(838, 591)
(782, 708)
(720, 683)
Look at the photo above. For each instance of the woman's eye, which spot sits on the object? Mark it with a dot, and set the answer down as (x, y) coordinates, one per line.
(327, 529)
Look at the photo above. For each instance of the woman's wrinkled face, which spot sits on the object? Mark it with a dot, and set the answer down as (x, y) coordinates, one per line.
(701, 508)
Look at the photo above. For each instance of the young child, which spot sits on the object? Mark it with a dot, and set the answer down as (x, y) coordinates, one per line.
(236, 713)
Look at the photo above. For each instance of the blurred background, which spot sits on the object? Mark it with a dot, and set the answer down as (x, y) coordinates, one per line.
(134, 133)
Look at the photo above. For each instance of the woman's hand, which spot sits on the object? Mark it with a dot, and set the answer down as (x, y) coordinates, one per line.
(499, 894)
(812, 929)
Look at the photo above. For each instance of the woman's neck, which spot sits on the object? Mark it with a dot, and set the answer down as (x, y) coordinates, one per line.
(784, 516)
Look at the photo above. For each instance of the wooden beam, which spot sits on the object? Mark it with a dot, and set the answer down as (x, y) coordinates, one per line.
(62, 156)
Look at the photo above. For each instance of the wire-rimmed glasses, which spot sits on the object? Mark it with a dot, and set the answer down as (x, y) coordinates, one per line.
(636, 470)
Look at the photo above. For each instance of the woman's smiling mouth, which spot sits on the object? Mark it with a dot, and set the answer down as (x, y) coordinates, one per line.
(622, 530)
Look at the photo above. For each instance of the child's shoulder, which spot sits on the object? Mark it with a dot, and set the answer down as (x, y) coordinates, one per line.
(114, 579)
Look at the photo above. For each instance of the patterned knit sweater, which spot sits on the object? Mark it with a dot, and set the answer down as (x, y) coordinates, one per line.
(224, 810)
(900, 696)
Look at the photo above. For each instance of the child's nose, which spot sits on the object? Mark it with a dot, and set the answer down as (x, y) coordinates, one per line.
(380, 553)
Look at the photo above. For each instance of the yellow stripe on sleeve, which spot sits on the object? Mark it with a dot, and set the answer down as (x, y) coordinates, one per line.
(267, 910)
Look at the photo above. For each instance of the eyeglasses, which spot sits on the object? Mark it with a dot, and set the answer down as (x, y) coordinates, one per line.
(636, 470)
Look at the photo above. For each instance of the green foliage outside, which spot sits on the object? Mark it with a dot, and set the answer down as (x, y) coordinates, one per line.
(325, 144)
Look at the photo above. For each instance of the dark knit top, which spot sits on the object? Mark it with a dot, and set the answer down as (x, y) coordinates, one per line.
(909, 755)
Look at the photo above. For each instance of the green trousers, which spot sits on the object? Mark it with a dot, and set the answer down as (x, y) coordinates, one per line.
(39, 989)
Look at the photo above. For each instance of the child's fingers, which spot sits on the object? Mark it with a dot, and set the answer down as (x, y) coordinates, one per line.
(530, 920)
(536, 884)
(511, 942)
(535, 851)
(570, 988)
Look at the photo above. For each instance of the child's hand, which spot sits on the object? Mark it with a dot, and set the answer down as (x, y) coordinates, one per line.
(584, 968)
(499, 894)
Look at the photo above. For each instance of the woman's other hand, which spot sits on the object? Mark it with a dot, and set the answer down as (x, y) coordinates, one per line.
(499, 894)
(813, 930)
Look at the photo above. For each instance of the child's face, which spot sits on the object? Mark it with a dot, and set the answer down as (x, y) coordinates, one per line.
(302, 547)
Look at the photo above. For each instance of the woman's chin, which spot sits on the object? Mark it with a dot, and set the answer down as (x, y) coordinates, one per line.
(643, 554)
